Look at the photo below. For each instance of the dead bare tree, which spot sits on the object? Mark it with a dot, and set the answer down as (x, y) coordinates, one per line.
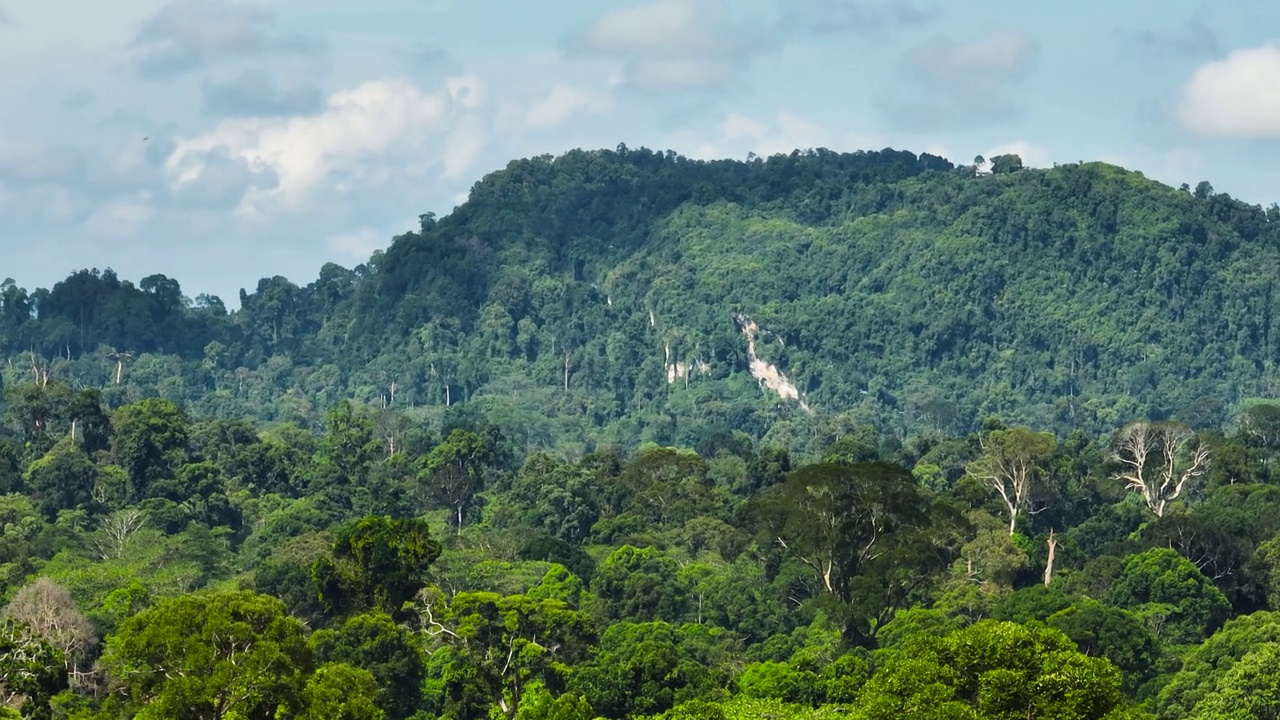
(48, 610)
(116, 529)
(1161, 461)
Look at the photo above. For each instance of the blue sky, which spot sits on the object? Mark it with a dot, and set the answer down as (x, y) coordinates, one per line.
(281, 135)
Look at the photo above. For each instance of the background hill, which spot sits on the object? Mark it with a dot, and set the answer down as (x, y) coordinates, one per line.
(629, 295)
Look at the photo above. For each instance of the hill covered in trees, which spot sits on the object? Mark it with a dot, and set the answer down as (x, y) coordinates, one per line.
(633, 437)
(617, 296)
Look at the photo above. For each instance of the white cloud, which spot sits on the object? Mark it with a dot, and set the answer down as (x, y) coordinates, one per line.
(672, 44)
(788, 132)
(358, 245)
(562, 103)
(360, 134)
(670, 28)
(1236, 97)
(462, 147)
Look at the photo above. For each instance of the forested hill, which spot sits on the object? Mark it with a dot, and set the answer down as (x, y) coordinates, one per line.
(634, 295)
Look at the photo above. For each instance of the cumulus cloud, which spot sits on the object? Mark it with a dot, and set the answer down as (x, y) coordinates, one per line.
(939, 150)
(786, 133)
(946, 82)
(188, 34)
(671, 44)
(366, 135)
(254, 92)
(221, 182)
(1237, 97)
(666, 27)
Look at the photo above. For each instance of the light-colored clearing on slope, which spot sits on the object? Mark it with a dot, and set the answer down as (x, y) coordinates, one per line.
(768, 375)
(682, 370)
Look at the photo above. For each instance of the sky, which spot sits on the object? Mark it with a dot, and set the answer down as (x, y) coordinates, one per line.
(223, 142)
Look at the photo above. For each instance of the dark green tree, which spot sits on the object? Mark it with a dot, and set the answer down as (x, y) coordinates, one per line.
(377, 563)
(150, 443)
(64, 479)
(389, 652)
(454, 472)
(1171, 595)
(640, 584)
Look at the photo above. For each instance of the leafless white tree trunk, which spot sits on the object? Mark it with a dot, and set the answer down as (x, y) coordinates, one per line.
(1161, 461)
(115, 530)
(1053, 549)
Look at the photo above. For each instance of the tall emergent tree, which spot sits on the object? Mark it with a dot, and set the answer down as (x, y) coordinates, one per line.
(453, 472)
(1009, 465)
(857, 527)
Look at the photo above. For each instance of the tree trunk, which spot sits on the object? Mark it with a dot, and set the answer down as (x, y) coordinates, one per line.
(1048, 568)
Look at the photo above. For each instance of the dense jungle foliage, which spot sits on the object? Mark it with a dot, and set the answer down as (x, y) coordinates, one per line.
(532, 462)
(590, 299)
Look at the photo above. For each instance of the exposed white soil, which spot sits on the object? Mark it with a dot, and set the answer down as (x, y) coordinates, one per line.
(768, 375)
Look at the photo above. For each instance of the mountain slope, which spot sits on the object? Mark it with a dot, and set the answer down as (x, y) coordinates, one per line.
(605, 296)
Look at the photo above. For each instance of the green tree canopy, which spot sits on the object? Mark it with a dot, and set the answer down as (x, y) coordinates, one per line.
(377, 563)
(210, 655)
(992, 670)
